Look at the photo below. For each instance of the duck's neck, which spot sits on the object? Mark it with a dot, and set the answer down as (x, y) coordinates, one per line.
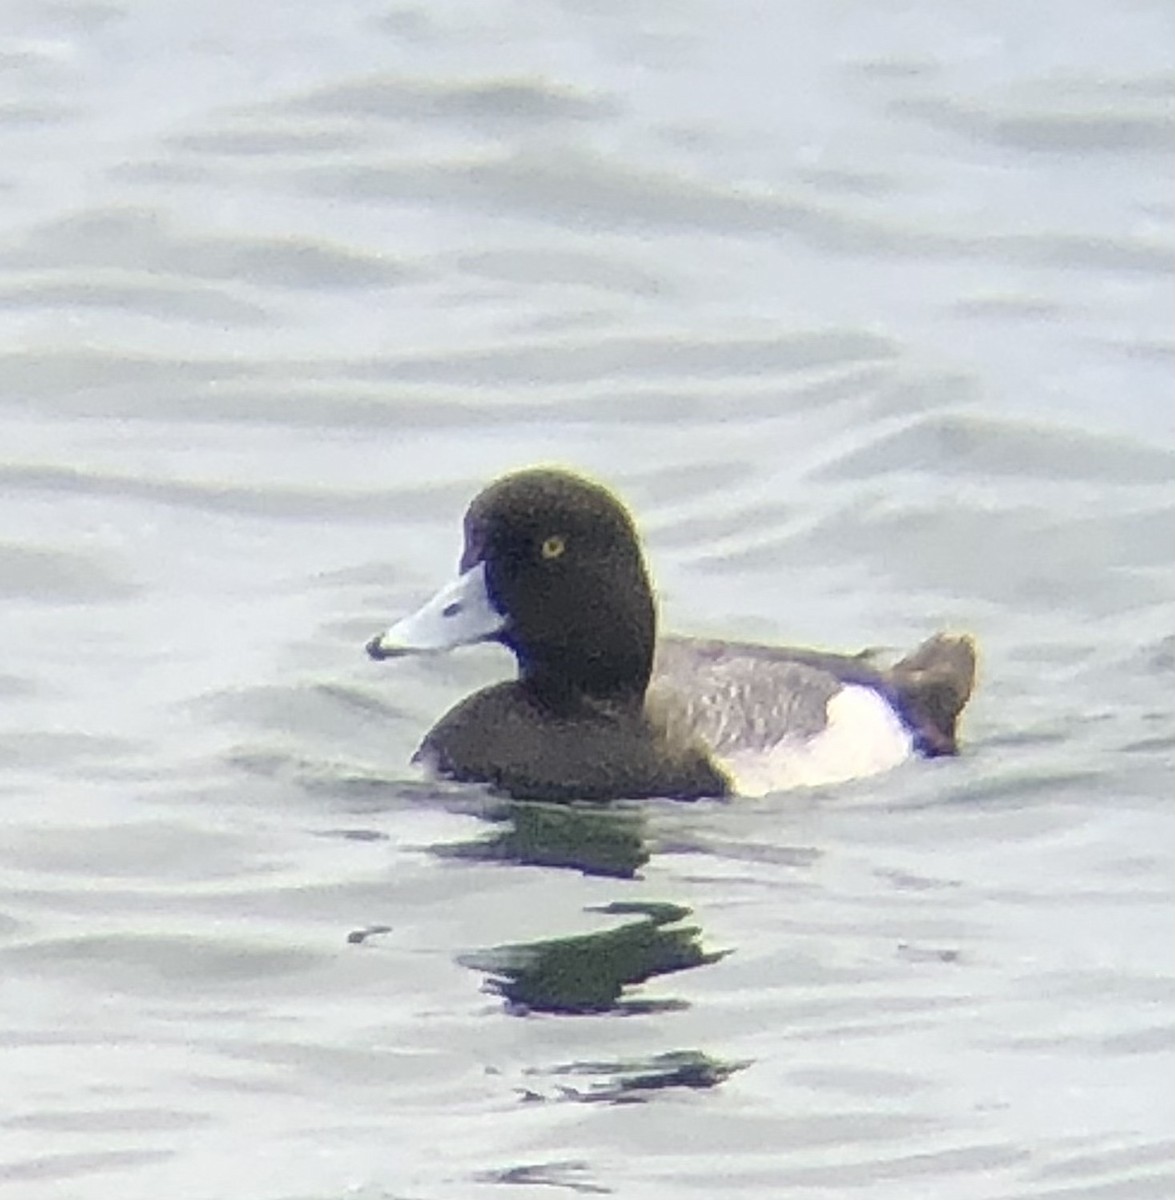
(608, 665)
(550, 685)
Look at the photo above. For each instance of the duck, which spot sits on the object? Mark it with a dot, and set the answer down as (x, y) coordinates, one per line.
(603, 709)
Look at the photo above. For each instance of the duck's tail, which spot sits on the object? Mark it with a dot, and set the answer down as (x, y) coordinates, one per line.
(932, 686)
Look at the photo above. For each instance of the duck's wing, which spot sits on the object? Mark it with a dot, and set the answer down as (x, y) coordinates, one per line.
(745, 696)
(734, 696)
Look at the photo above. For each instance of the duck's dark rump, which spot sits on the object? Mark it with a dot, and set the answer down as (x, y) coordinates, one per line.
(930, 688)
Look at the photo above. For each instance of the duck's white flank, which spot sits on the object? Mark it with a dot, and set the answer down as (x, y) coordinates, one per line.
(863, 737)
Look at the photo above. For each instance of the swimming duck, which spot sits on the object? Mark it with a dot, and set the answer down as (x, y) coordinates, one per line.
(602, 709)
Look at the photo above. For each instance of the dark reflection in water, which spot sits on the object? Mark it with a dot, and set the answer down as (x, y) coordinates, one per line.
(584, 973)
(358, 936)
(592, 838)
(571, 1176)
(633, 1080)
(588, 972)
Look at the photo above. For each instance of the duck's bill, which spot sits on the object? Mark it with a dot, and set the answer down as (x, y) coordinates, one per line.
(459, 614)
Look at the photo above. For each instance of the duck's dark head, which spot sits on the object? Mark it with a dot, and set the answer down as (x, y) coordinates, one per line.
(552, 568)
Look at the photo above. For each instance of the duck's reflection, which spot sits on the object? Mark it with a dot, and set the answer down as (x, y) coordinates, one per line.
(592, 838)
(584, 973)
(590, 972)
(631, 1079)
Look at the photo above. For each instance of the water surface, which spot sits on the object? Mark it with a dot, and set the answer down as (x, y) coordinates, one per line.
(865, 309)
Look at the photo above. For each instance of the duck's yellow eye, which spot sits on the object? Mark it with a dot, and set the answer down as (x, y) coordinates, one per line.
(553, 546)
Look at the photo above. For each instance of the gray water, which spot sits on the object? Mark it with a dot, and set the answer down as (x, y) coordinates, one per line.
(866, 309)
